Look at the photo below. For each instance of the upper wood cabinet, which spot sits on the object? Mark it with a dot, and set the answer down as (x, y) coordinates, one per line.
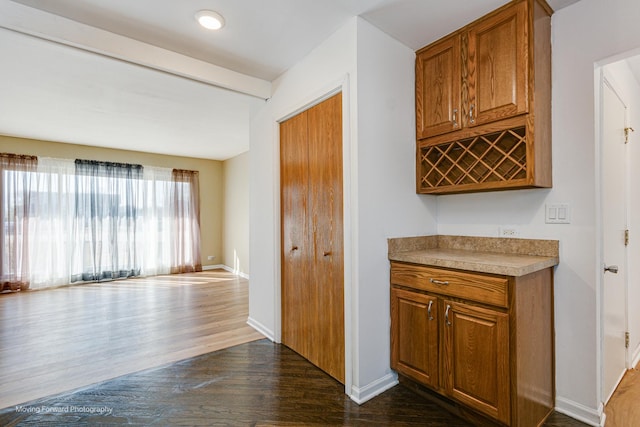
(438, 88)
(484, 65)
(491, 79)
(497, 75)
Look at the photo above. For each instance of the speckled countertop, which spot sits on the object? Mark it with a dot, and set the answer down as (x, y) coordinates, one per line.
(509, 257)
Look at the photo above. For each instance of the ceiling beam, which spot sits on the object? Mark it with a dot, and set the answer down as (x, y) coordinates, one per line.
(54, 28)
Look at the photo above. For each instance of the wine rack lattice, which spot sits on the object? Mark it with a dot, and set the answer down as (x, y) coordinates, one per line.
(495, 157)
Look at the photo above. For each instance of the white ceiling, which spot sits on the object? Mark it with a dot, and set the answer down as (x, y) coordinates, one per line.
(56, 92)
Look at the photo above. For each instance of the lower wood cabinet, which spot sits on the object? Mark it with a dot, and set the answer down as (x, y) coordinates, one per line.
(414, 339)
(492, 353)
(476, 358)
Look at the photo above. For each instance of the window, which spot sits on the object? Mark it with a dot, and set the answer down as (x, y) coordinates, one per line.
(91, 221)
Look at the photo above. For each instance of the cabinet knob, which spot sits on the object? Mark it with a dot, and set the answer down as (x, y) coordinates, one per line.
(326, 253)
(446, 315)
(294, 248)
(471, 119)
(429, 310)
(439, 282)
(455, 118)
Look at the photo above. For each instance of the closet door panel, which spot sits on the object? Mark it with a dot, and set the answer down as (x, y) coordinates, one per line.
(297, 253)
(312, 235)
(326, 208)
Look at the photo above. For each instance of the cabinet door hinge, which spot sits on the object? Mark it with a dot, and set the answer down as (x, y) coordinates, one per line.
(626, 134)
(626, 340)
(626, 237)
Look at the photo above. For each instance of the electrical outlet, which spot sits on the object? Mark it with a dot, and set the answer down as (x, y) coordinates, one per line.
(508, 231)
(210, 257)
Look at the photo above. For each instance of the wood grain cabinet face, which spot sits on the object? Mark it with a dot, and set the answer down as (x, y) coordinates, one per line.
(477, 358)
(414, 340)
(490, 350)
(474, 349)
(483, 96)
(438, 107)
(473, 77)
(497, 67)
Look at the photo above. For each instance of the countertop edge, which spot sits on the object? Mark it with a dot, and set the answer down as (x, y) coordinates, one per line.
(503, 256)
(478, 267)
(501, 245)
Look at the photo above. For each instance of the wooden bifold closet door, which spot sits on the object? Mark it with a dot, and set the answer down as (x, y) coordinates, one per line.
(312, 235)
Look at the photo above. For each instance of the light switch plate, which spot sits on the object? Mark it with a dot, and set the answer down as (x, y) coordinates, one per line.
(558, 213)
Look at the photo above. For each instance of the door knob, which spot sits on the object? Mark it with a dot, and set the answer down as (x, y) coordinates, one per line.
(611, 269)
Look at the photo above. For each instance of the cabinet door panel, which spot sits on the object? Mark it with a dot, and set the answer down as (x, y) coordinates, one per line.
(498, 72)
(477, 358)
(414, 336)
(438, 88)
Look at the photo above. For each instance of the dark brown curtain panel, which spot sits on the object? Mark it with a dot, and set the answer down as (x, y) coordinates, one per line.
(185, 199)
(17, 174)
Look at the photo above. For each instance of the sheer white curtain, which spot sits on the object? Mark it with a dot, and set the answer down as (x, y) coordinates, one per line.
(108, 222)
(51, 243)
(157, 212)
(53, 240)
(59, 239)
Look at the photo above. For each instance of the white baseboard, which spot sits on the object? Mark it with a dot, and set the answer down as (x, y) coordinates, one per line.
(261, 328)
(226, 268)
(593, 417)
(361, 394)
(213, 267)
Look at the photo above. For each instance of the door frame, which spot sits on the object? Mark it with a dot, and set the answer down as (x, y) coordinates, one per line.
(602, 78)
(349, 217)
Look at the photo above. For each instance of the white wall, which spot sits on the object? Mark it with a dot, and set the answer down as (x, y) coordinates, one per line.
(629, 87)
(582, 34)
(388, 205)
(235, 229)
(380, 200)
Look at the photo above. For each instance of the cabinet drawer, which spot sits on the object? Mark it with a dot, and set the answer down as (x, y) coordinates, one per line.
(478, 287)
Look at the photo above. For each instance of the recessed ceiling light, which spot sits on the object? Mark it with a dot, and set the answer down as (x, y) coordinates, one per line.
(210, 20)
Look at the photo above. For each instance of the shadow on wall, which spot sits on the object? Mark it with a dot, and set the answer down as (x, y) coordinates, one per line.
(514, 207)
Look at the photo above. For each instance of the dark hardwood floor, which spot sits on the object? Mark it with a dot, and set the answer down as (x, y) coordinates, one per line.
(254, 384)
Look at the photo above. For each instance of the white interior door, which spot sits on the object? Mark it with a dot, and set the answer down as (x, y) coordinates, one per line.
(614, 217)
